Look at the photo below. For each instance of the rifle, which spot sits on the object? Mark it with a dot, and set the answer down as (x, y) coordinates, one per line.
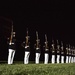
(27, 38)
(37, 40)
(73, 50)
(61, 46)
(67, 49)
(62, 49)
(52, 45)
(58, 46)
(46, 42)
(11, 37)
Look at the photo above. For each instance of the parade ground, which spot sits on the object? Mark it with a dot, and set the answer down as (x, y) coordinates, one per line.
(18, 68)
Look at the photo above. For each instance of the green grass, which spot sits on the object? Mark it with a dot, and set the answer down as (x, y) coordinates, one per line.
(37, 69)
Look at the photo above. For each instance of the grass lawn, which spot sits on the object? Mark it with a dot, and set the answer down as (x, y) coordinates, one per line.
(37, 69)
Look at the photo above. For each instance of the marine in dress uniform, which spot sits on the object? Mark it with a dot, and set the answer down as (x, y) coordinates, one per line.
(12, 47)
(72, 52)
(26, 45)
(53, 52)
(62, 52)
(67, 54)
(46, 49)
(37, 47)
(58, 52)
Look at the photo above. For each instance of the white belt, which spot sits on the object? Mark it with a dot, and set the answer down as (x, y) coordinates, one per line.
(11, 43)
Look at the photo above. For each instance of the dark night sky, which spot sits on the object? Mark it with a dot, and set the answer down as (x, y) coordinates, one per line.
(55, 18)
